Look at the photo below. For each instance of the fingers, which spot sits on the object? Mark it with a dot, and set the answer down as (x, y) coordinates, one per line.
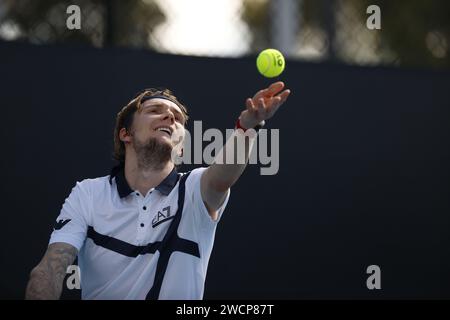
(256, 105)
(275, 88)
(267, 101)
(260, 94)
(261, 106)
(284, 95)
(250, 105)
(277, 101)
(271, 91)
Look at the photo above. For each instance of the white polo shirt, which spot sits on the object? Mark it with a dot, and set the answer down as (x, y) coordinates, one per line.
(134, 246)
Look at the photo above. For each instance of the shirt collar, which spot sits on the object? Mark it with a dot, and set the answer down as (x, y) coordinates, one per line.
(165, 187)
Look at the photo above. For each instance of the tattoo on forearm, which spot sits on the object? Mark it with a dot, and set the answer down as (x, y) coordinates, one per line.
(47, 278)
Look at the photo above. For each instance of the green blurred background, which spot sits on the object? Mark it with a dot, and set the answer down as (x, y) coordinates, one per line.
(414, 33)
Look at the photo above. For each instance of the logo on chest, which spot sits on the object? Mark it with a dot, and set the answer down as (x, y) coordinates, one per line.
(162, 216)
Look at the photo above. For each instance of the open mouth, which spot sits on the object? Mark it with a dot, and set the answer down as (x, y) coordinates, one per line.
(165, 130)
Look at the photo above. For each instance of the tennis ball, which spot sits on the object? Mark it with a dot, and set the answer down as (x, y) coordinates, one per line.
(270, 63)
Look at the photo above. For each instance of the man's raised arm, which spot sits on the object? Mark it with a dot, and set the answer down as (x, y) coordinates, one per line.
(220, 176)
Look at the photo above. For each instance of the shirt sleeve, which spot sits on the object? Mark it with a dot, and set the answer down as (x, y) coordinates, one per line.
(71, 224)
(194, 195)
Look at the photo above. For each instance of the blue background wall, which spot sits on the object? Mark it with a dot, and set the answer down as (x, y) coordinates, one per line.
(363, 179)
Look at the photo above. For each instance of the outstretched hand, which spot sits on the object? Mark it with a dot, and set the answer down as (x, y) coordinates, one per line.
(264, 104)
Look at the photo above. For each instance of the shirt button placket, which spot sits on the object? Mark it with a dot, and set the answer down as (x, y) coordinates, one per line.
(141, 218)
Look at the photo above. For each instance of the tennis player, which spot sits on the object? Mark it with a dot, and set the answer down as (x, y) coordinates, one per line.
(146, 231)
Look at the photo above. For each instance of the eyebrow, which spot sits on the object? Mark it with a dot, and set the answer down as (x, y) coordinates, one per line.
(159, 105)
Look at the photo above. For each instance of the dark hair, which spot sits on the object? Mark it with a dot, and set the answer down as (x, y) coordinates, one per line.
(125, 116)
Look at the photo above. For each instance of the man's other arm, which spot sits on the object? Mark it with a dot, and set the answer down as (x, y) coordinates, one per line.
(46, 279)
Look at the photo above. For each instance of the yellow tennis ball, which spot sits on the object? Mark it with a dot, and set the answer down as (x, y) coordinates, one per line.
(270, 63)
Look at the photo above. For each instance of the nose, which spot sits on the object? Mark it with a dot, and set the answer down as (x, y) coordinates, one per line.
(168, 114)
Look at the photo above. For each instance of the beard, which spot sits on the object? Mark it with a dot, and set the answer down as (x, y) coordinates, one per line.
(152, 154)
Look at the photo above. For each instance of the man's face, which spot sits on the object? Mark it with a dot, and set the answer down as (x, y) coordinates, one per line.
(159, 119)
